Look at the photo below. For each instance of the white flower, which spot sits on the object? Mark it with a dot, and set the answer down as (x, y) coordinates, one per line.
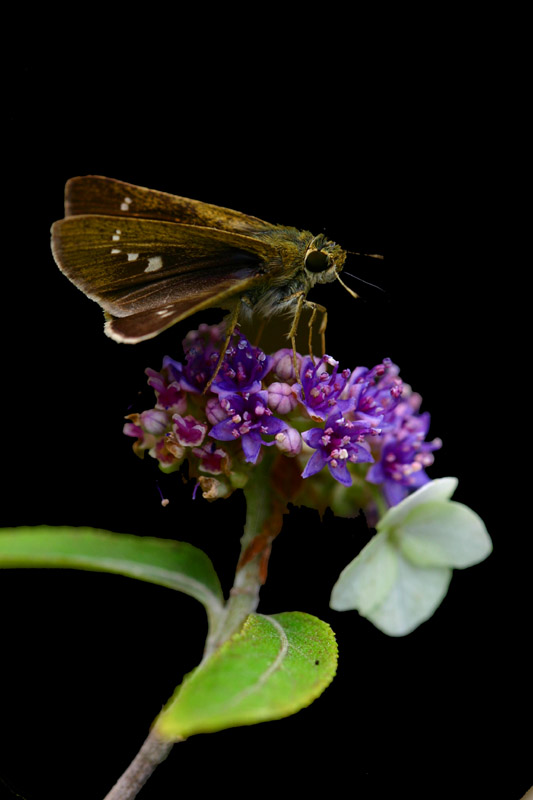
(402, 575)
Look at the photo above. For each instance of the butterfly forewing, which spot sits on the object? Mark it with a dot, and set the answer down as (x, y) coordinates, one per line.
(93, 194)
(154, 271)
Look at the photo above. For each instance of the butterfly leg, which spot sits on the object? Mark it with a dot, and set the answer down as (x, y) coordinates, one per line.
(322, 330)
(230, 328)
(294, 329)
(315, 307)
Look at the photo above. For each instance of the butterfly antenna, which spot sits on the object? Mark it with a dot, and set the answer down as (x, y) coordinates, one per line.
(366, 255)
(363, 281)
(350, 291)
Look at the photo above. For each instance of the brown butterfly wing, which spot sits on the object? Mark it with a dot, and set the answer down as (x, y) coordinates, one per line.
(94, 194)
(147, 324)
(148, 274)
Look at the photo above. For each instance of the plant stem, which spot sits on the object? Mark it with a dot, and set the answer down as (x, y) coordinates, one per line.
(152, 753)
(244, 594)
(261, 518)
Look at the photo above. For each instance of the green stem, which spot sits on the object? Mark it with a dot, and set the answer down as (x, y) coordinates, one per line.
(244, 594)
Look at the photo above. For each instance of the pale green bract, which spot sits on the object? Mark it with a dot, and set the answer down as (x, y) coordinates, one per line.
(272, 668)
(402, 575)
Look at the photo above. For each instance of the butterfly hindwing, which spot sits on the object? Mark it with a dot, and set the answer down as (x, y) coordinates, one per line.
(143, 325)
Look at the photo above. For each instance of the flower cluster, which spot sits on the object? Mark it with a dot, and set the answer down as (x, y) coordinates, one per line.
(221, 418)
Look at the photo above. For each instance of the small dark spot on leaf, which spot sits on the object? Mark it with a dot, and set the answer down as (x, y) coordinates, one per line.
(317, 662)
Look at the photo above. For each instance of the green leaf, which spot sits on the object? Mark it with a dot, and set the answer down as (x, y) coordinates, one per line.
(272, 668)
(177, 565)
(368, 579)
(444, 534)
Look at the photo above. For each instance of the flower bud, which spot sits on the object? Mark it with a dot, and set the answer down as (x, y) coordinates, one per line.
(289, 441)
(214, 411)
(154, 421)
(284, 364)
(281, 398)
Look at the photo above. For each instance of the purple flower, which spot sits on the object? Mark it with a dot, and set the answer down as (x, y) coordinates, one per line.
(320, 391)
(148, 428)
(403, 453)
(340, 442)
(375, 392)
(366, 416)
(248, 418)
(167, 388)
(132, 428)
(168, 452)
(202, 351)
(144, 440)
(212, 459)
(188, 431)
(243, 369)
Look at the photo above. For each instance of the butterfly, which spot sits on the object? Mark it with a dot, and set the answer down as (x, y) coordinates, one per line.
(151, 259)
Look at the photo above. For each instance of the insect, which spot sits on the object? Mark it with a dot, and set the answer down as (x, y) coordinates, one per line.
(151, 259)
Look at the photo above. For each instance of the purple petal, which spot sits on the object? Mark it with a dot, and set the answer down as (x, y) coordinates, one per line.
(341, 474)
(314, 465)
(130, 429)
(376, 473)
(223, 431)
(394, 492)
(313, 437)
(175, 369)
(251, 445)
(418, 479)
(272, 425)
(362, 454)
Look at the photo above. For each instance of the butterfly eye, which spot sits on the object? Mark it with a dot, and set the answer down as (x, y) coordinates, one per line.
(317, 261)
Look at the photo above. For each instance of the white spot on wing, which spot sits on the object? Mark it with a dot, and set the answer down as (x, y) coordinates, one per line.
(154, 264)
(114, 251)
(115, 237)
(132, 256)
(124, 206)
(165, 312)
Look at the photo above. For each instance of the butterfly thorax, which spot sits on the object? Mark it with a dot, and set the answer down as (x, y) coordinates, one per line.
(304, 260)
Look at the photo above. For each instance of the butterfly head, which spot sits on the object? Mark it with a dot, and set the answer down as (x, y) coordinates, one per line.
(323, 260)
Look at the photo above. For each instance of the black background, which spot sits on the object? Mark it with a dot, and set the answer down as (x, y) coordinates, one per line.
(381, 166)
